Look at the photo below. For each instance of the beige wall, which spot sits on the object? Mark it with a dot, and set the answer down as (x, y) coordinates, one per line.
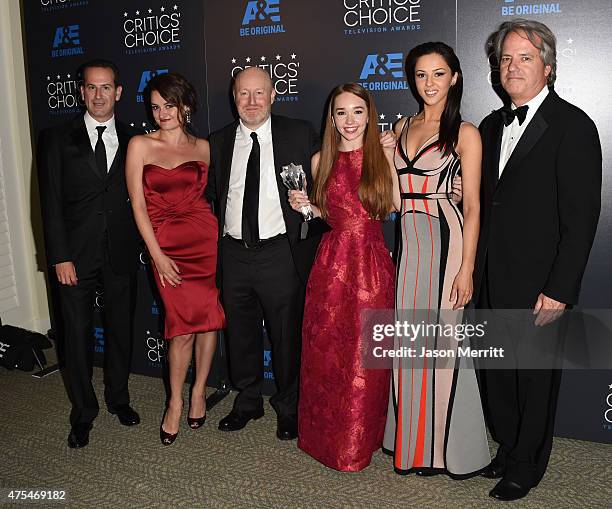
(21, 187)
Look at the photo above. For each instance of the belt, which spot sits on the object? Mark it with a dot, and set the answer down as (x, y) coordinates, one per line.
(260, 243)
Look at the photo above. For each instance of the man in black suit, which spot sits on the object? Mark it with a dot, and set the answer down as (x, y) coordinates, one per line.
(263, 266)
(91, 239)
(541, 189)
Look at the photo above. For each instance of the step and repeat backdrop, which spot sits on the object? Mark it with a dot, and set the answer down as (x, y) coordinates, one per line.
(308, 47)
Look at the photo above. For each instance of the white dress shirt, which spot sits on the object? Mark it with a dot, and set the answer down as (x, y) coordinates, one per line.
(270, 217)
(513, 132)
(109, 137)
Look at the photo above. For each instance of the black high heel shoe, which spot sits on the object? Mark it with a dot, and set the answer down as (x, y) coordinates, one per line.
(165, 437)
(196, 422)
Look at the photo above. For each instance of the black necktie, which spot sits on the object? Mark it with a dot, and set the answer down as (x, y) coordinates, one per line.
(508, 114)
(100, 152)
(250, 201)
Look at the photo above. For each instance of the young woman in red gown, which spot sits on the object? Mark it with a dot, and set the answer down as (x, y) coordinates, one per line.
(166, 173)
(342, 407)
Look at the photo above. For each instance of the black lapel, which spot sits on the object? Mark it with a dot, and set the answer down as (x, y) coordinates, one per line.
(81, 140)
(497, 133)
(227, 153)
(118, 162)
(279, 143)
(536, 128)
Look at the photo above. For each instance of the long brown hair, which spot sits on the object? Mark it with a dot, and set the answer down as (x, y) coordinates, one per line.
(375, 186)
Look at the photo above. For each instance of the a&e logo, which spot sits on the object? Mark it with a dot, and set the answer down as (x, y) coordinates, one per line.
(145, 77)
(66, 41)
(383, 71)
(526, 7)
(267, 357)
(261, 17)
(99, 339)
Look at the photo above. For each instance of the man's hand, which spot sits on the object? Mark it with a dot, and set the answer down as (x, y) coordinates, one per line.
(457, 195)
(66, 273)
(547, 310)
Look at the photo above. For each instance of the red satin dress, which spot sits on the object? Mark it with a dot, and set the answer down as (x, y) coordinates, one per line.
(186, 230)
(342, 407)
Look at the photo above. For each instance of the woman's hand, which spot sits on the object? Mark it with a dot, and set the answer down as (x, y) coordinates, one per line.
(463, 287)
(298, 200)
(167, 270)
(457, 194)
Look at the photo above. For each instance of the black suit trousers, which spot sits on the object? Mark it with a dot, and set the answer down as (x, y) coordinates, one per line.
(77, 303)
(261, 285)
(520, 404)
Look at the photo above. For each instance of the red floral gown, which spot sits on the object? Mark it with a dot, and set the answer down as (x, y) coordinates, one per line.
(342, 406)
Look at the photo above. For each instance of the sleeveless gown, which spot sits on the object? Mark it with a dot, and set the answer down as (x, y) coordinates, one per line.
(186, 230)
(435, 419)
(342, 406)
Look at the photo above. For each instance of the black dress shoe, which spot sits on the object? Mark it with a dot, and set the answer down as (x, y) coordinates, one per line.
(508, 490)
(238, 420)
(79, 435)
(494, 470)
(127, 415)
(286, 428)
(426, 472)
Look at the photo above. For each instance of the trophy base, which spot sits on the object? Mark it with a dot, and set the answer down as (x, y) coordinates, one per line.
(313, 228)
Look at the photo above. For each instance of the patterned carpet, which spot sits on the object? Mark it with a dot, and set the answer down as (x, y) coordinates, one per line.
(128, 467)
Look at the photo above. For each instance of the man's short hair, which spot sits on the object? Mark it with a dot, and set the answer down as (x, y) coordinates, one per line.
(538, 34)
(105, 64)
(235, 78)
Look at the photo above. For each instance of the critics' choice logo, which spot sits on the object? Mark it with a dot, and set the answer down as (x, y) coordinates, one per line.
(155, 348)
(149, 31)
(608, 409)
(386, 121)
(145, 77)
(56, 5)
(376, 16)
(284, 71)
(66, 41)
(261, 17)
(527, 7)
(63, 95)
(383, 71)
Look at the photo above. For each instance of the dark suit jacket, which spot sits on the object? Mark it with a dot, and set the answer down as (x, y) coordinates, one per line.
(78, 205)
(293, 141)
(539, 218)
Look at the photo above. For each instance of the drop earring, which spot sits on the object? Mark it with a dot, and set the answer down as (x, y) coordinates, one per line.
(188, 117)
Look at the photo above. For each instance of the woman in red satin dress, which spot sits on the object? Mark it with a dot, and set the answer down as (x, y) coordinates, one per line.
(166, 172)
(342, 406)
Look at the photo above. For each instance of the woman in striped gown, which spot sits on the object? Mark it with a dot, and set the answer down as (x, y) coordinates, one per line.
(435, 421)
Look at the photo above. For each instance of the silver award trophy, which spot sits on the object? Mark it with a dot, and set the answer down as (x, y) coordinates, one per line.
(294, 179)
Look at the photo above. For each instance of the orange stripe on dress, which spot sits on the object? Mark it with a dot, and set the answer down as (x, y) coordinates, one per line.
(416, 286)
(400, 422)
(423, 191)
(420, 440)
(416, 234)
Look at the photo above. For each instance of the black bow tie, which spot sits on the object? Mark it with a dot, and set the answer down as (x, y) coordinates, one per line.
(508, 114)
